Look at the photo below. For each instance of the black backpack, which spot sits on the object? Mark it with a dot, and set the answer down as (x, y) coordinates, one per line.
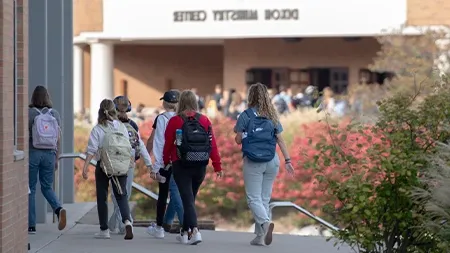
(195, 145)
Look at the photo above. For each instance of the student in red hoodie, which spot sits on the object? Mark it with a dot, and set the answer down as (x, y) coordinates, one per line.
(189, 145)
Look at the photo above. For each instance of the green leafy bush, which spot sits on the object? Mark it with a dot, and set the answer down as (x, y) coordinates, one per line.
(377, 213)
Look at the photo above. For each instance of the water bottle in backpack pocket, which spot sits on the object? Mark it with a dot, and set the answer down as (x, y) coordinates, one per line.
(260, 143)
(45, 130)
(195, 143)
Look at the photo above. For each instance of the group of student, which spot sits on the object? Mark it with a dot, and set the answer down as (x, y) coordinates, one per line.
(182, 143)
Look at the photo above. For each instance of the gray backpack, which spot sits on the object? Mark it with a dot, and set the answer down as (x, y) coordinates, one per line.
(45, 130)
(115, 153)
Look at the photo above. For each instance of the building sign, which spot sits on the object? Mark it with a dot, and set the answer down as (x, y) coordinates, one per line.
(235, 15)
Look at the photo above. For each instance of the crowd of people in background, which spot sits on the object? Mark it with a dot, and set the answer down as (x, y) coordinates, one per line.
(231, 103)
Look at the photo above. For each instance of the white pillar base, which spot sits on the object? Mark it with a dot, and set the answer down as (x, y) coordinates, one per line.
(102, 76)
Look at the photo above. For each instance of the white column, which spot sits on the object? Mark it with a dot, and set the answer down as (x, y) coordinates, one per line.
(102, 78)
(77, 78)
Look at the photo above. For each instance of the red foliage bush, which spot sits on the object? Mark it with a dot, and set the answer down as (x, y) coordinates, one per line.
(226, 196)
(303, 188)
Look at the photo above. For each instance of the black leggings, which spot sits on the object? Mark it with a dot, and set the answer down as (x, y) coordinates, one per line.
(163, 194)
(101, 186)
(188, 180)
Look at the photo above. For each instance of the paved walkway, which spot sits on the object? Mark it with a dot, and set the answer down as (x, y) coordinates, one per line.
(78, 238)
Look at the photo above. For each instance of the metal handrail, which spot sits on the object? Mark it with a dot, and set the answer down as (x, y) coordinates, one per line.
(272, 205)
(154, 196)
(93, 162)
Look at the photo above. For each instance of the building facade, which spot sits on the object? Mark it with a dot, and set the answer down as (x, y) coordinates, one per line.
(14, 126)
(141, 48)
(36, 49)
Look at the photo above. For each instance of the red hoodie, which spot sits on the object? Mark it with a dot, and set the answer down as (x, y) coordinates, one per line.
(170, 149)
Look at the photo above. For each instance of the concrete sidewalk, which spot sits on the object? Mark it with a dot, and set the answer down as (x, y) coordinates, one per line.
(79, 239)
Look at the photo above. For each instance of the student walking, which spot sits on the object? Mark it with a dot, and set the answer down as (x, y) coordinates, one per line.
(195, 145)
(258, 129)
(44, 148)
(109, 144)
(123, 106)
(170, 101)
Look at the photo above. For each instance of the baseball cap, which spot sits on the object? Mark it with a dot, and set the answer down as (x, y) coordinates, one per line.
(171, 96)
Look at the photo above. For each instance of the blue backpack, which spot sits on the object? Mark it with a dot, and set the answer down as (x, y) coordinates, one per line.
(260, 144)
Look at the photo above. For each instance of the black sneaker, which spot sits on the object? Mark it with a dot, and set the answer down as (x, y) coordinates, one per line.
(32, 230)
(62, 218)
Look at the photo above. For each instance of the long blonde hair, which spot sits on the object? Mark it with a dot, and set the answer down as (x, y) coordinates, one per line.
(187, 102)
(107, 111)
(258, 97)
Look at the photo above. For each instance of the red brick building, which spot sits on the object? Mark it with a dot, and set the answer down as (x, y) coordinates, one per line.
(14, 126)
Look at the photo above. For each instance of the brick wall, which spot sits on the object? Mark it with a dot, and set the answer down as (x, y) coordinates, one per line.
(13, 169)
(429, 12)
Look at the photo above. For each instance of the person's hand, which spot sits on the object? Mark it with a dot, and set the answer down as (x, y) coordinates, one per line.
(150, 167)
(153, 175)
(290, 169)
(56, 165)
(85, 173)
(219, 174)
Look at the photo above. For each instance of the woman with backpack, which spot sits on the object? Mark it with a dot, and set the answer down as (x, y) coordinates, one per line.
(163, 218)
(189, 144)
(110, 145)
(123, 106)
(44, 150)
(258, 129)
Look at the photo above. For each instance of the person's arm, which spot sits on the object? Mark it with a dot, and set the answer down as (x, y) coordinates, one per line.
(282, 144)
(144, 153)
(215, 156)
(150, 142)
(169, 136)
(158, 142)
(92, 148)
(58, 143)
(240, 127)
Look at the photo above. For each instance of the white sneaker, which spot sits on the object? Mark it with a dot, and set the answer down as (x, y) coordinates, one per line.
(183, 238)
(155, 231)
(196, 237)
(258, 241)
(103, 234)
(268, 230)
(128, 230)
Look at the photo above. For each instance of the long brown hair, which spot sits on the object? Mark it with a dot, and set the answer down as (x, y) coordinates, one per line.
(258, 97)
(188, 102)
(40, 98)
(107, 111)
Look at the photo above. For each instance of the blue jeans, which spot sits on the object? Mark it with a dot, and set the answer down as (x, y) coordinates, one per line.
(175, 204)
(42, 163)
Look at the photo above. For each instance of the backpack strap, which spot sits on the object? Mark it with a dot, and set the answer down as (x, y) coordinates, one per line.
(251, 116)
(106, 129)
(36, 109)
(165, 116)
